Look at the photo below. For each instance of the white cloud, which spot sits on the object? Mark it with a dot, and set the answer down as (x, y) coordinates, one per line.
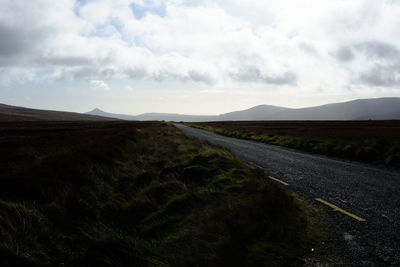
(230, 43)
(99, 84)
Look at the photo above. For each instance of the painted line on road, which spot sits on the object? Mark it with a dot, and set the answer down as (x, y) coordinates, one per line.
(277, 180)
(340, 210)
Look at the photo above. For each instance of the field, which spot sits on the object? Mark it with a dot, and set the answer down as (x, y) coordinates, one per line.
(376, 142)
(138, 194)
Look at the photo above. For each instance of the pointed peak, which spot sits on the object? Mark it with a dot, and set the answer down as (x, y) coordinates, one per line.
(95, 111)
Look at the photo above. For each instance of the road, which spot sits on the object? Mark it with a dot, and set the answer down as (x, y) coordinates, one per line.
(362, 192)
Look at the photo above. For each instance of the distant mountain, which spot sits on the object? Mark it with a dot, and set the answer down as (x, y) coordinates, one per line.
(13, 113)
(362, 109)
(151, 116)
(255, 113)
(99, 112)
(174, 117)
(387, 108)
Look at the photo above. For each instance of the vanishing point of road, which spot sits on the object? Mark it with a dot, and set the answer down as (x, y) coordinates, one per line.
(362, 201)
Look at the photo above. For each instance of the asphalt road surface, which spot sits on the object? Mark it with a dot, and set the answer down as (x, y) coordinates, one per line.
(365, 198)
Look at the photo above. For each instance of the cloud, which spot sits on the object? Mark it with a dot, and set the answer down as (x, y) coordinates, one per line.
(18, 45)
(140, 10)
(386, 76)
(99, 84)
(384, 64)
(13, 42)
(217, 43)
(58, 60)
(379, 50)
(308, 48)
(181, 44)
(254, 74)
(344, 54)
(377, 62)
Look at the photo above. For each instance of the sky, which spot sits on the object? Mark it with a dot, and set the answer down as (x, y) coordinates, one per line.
(196, 57)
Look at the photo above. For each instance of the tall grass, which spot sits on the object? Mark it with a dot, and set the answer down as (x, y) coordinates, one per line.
(129, 194)
(373, 149)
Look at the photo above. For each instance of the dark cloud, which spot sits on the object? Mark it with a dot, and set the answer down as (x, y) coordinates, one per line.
(136, 73)
(63, 61)
(77, 73)
(383, 62)
(379, 50)
(191, 75)
(200, 77)
(11, 42)
(21, 45)
(17, 45)
(374, 50)
(254, 74)
(344, 54)
(95, 71)
(381, 75)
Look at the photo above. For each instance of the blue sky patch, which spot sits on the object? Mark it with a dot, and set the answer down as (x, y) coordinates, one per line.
(140, 11)
(78, 4)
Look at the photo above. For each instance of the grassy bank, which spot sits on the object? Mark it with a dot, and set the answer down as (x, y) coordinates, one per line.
(375, 142)
(138, 194)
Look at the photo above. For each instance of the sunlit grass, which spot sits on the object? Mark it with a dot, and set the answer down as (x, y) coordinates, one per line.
(376, 149)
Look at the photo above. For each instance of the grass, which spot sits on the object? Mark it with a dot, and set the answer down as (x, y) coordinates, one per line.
(374, 142)
(138, 194)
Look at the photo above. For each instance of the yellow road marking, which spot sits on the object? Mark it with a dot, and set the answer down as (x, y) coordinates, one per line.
(277, 180)
(340, 210)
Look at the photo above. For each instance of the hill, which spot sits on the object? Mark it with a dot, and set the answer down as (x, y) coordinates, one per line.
(13, 113)
(152, 116)
(260, 112)
(99, 112)
(361, 109)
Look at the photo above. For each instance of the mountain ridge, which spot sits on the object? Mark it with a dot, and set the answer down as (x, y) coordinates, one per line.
(15, 113)
(386, 108)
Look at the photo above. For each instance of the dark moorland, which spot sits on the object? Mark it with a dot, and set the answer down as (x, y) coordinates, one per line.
(13, 113)
(138, 194)
(376, 142)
